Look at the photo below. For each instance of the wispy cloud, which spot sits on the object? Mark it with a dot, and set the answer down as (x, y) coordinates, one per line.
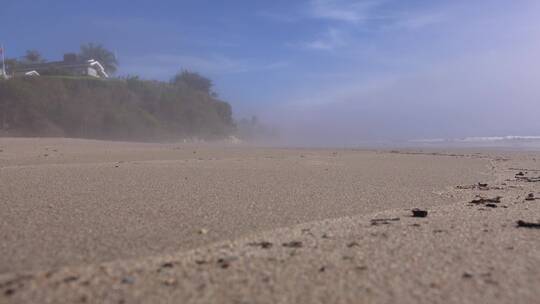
(282, 17)
(332, 39)
(419, 20)
(344, 21)
(351, 11)
(343, 10)
(360, 12)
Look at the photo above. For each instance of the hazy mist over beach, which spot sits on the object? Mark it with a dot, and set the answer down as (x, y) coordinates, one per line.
(455, 70)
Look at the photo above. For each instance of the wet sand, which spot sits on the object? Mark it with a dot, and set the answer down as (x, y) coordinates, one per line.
(92, 221)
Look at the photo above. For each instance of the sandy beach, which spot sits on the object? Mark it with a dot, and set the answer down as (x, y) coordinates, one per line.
(109, 222)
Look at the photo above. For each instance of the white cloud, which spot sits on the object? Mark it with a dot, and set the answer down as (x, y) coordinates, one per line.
(417, 21)
(347, 19)
(343, 10)
(330, 40)
(360, 12)
(282, 17)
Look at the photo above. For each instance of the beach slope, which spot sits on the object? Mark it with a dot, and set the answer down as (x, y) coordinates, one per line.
(141, 223)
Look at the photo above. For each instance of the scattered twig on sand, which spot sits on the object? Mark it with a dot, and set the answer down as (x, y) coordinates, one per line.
(479, 186)
(479, 200)
(524, 224)
(326, 236)
(466, 275)
(466, 187)
(129, 280)
(520, 176)
(521, 170)
(262, 244)
(293, 244)
(9, 292)
(169, 282)
(10, 287)
(419, 212)
(70, 279)
(528, 179)
(483, 185)
(226, 262)
(383, 221)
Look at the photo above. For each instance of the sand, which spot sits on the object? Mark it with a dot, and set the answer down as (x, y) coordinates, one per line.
(101, 222)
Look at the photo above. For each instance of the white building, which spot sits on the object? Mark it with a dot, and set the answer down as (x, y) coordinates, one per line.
(70, 66)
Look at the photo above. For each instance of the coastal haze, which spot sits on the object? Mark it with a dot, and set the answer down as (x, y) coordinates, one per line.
(315, 151)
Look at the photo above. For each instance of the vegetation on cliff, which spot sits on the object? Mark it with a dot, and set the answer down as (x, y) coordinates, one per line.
(128, 109)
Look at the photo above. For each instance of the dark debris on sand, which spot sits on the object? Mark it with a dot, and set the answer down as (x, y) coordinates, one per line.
(262, 244)
(353, 244)
(128, 280)
(530, 197)
(226, 262)
(528, 179)
(479, 200)
(167, 265)
(383, 221)
(531, 225)
(293, 244)
(466, 275)
(11, 286)
(479, 186)
(419, 212)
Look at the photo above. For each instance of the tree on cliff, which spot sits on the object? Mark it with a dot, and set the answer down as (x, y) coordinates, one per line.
(194, 81)
(33, 56)
(11, 64)
(100, 53)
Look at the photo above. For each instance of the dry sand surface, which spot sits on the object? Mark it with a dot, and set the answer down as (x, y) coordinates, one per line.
(100, 222)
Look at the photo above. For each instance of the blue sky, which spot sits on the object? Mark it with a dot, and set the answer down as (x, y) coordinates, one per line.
(325, 63)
